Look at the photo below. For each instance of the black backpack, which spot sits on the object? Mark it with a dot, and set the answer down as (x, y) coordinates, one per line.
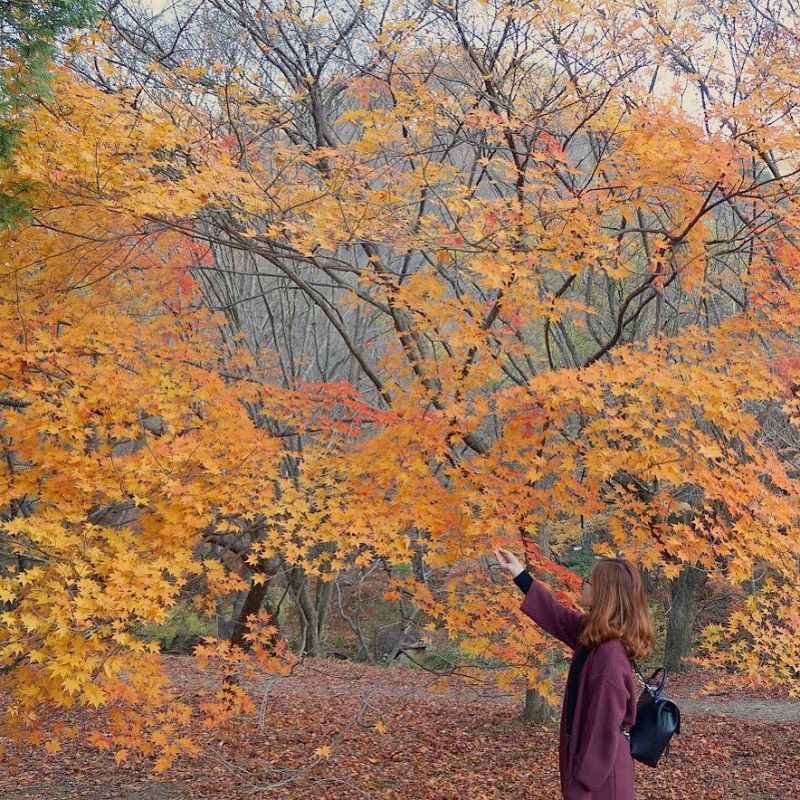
(657, 720)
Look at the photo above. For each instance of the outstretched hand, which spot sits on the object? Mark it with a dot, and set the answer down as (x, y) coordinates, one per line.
(508, 561)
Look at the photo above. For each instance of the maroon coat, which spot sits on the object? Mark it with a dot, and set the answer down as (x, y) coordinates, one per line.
(596, 764)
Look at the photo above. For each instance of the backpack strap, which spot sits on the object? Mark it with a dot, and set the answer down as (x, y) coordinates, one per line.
(647, 683)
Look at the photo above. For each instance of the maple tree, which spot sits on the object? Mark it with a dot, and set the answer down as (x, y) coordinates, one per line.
(469, 275)
(130, 452)
(116, 458)
(524, 227)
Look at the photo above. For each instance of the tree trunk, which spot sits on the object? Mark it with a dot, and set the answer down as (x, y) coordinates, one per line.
(537, 710)
(419, 548)
(313, 613)
(648, 581)
(684, 592)
(323, 604)
(257, 597)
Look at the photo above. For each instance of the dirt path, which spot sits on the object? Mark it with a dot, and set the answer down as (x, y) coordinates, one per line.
(750, 708)
(352, 680)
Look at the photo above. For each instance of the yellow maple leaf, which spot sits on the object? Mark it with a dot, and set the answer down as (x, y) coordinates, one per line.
(163, 763)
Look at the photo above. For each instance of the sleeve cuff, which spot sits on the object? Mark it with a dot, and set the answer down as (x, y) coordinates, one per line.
(524, 581)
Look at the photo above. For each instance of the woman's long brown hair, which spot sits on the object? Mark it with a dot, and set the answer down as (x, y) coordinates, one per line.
(619, 609)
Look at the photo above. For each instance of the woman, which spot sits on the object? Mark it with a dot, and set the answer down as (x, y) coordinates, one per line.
(599, 706)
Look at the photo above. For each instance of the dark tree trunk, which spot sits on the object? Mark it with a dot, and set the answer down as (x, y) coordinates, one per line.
(684, 591)
(252, 605)
(256, 598)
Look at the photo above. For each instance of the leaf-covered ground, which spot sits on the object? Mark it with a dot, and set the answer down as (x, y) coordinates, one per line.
(459, 744)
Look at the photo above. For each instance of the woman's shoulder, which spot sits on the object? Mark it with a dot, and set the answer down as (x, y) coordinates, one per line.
(611, 667)
(611, 655)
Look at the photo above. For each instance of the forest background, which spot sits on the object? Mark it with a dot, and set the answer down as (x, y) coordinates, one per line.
(307, 306)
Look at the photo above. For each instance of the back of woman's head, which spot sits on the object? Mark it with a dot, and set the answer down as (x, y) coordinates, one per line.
(619, 609)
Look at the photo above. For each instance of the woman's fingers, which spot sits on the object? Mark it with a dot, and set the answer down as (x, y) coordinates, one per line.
(505, 557)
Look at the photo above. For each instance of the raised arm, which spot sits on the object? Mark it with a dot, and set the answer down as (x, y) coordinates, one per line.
(550, 615)
(540, 604)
